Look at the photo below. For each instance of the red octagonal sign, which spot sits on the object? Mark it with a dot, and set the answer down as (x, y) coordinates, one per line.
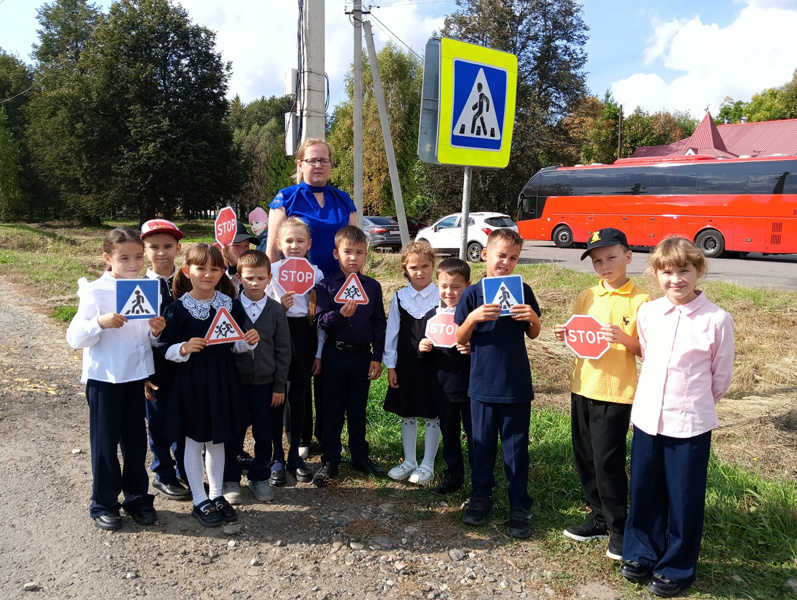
(442, 331)
(584, 336)
(226, 226)
(296, 275)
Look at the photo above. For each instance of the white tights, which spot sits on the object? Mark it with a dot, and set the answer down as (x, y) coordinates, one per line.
(409, 435)
(214, 464)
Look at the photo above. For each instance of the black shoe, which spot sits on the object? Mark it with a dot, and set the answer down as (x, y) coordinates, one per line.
(615, 549)
(369, 467)
(588, 530)
(174, 490)
(277, 477)
(145, 516)
(633, 571)
(245, 459)
(664, 587)
(225, 509)
(108, 521)
(519, 523)
(477, 510)
(207, 514)
(300, 470)
(324, 474)
(446, 487)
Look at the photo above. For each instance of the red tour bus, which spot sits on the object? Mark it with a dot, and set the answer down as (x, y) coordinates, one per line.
(738, 205)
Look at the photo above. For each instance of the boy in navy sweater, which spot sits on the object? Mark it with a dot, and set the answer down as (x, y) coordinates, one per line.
(500, 385)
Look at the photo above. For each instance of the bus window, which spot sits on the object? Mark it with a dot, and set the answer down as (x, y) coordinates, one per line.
(627, 182)
(790, 183)
(723, 178)
(554, 183)
(767, 177)
(678, 180)
(589, 182)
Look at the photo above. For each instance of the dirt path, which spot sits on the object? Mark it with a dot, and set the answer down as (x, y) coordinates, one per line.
(337, 542)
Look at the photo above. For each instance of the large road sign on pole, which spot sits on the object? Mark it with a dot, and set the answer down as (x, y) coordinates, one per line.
(474, 89)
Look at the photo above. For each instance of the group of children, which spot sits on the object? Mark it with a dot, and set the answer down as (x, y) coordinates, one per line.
(201, 398)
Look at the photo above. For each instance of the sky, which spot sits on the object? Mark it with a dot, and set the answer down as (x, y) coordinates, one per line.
(670, 55)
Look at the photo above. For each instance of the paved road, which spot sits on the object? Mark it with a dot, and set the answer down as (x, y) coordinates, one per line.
(776, 272)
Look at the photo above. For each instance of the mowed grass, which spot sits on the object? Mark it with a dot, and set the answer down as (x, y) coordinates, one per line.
(750, 537)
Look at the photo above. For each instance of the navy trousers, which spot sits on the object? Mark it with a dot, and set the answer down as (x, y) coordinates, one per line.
(345, 398)
(599, 431)
(258, 398)
(116, 419)
(292, 414)
(453, 417)
(668, 498)
(166, 468)
(511, 422)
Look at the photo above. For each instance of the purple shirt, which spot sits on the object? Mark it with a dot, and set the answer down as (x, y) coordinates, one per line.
(688, 354)
(367, 324)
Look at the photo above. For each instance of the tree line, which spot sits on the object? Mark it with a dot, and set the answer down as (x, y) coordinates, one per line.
(125, 114)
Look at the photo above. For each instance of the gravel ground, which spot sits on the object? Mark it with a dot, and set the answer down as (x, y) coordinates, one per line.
(339, 542)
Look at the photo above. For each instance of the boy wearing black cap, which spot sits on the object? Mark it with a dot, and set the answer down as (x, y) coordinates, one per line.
(240, 244)
(162, 245)
(603, 390)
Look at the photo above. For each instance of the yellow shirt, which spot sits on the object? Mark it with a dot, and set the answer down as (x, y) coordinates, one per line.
(613, 376)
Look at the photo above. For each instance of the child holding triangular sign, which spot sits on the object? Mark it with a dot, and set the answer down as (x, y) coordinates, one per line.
(206, 397)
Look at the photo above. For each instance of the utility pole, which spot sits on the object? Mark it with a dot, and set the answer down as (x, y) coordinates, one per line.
(357, 68)
(313, 88)
(620, 134)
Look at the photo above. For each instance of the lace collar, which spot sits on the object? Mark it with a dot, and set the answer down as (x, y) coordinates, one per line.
(200, 309)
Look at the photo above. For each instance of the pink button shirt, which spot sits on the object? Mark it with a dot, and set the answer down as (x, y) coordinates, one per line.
(688, 357)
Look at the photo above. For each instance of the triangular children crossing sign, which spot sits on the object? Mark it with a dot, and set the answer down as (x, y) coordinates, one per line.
(223, 329)
(505, 291)
(352, 289)
(137, 298)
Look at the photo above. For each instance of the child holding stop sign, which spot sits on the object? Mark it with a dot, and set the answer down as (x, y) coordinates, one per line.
(603, 389)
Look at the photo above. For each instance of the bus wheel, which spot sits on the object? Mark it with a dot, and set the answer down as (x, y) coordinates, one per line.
(711, 243)
(563, 237)
(474, 252)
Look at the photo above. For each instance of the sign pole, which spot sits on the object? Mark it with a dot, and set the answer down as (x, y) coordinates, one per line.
(463, 247)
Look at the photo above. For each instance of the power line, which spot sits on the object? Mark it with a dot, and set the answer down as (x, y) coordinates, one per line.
(397, 38)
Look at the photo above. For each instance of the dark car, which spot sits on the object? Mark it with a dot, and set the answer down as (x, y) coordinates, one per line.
(382, 232)
(413, 224)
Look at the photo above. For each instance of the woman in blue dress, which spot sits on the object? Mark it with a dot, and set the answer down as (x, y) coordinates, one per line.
(324, 208)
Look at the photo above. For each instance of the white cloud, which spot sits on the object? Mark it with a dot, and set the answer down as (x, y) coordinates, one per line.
(754, 52)
(260, 39)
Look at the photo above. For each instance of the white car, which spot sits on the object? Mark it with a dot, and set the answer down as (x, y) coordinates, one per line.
(445, 236)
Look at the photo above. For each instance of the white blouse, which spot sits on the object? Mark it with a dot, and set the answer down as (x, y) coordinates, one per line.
(109, 355)
(417, 303)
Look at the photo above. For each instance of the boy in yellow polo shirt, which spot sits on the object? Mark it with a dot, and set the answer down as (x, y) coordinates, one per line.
(603, 390)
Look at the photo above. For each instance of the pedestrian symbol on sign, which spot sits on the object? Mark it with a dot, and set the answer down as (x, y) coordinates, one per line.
(137, 298)
(478, 119)
(506, 291)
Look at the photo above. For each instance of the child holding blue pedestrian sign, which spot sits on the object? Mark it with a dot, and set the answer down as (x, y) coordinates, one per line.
(117, 359)
(500, 385)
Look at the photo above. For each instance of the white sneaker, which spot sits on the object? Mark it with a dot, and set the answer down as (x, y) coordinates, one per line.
(401, 472)
(231, 490)
(304, 452)
(262, 491)
(423, 475)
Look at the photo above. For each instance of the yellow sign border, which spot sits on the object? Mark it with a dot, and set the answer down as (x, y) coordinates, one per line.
(451, 50)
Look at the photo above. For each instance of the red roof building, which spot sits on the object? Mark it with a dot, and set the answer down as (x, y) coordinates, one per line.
(766, 138)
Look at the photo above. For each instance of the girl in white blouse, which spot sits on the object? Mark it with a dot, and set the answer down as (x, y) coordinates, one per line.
(117, 359)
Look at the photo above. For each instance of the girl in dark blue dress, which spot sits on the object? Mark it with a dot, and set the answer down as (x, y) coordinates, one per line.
(205, 403)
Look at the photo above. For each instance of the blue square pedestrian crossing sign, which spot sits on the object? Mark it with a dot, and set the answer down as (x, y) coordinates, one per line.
(505, 291)
(476, 105)
(138, 298)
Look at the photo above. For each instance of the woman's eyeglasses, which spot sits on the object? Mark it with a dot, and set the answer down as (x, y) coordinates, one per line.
(314, 162)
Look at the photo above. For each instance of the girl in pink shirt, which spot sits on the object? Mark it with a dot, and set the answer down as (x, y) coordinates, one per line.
(688, 351)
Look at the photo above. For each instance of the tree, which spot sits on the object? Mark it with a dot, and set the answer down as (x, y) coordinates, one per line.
(401, 81)
(548, 37)
(259, 134)
(57, 114)
(11, 204)
(156, 140)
